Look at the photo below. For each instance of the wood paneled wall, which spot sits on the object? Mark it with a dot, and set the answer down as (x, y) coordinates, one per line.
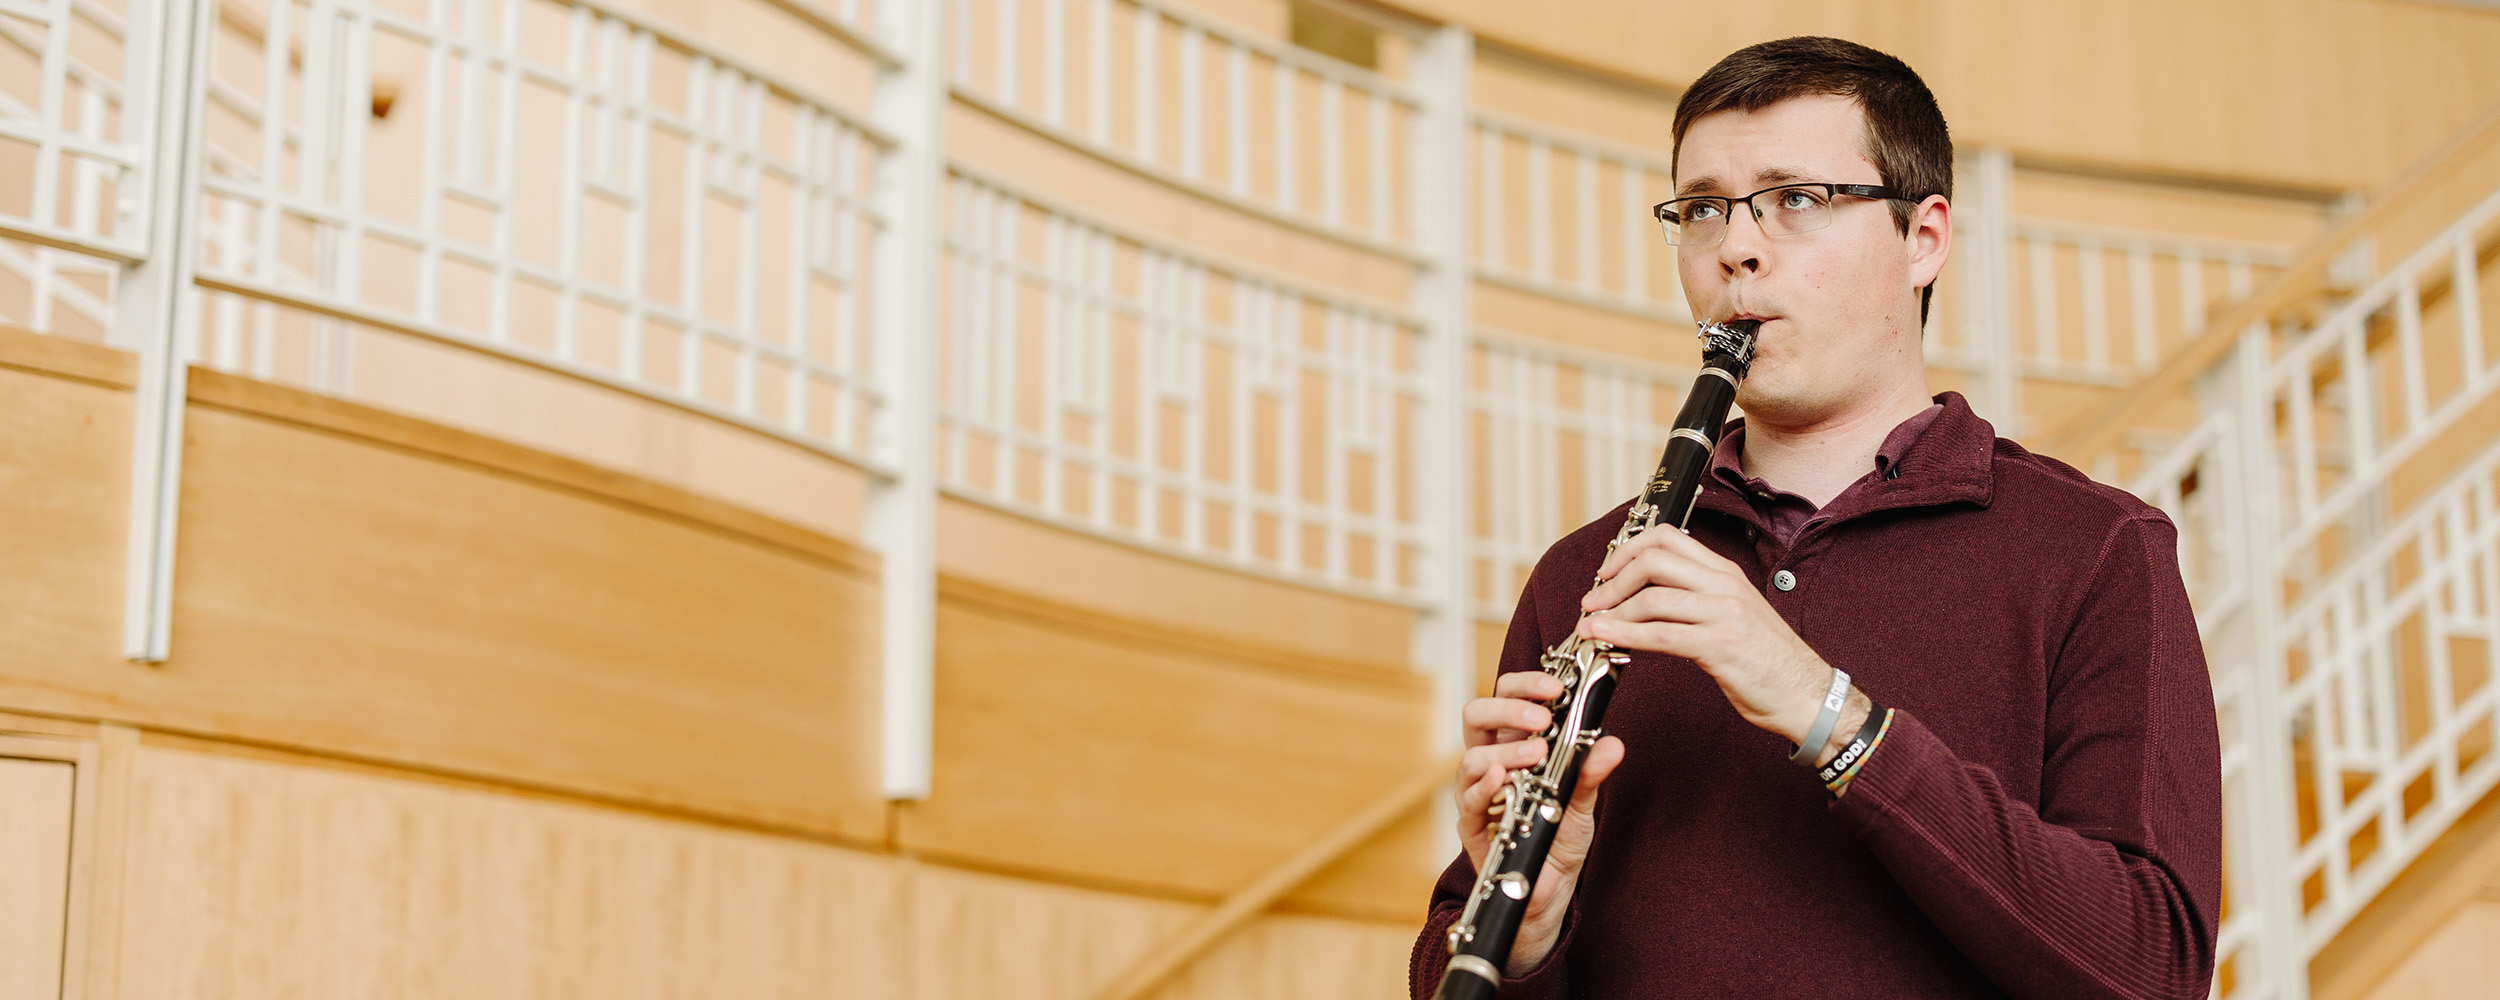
(250, 878)
(436, 697)
(2333, 93)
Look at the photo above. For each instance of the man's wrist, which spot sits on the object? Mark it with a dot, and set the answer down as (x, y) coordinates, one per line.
(1852, 718)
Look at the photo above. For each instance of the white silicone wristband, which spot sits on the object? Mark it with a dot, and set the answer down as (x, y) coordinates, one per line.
(1824, 721)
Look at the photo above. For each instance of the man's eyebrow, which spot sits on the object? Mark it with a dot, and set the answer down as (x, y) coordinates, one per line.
(1766, 177)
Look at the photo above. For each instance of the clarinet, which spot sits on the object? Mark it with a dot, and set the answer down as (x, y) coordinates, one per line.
(1530, 806)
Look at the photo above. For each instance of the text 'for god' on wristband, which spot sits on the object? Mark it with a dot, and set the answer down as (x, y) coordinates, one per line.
(1823, 721)
(1856, 748)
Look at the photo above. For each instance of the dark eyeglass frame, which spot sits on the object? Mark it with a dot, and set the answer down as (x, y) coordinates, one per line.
(1728, 205)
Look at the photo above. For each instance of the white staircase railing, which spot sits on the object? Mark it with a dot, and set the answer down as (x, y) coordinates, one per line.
(2339, 531)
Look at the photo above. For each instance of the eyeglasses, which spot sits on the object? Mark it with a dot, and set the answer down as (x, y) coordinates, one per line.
(1795, 208)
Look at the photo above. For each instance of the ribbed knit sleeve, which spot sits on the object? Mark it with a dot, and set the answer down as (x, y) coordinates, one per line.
(1550, 981)
(2111, 886)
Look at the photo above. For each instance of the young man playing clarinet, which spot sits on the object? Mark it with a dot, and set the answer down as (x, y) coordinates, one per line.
(2031, 802)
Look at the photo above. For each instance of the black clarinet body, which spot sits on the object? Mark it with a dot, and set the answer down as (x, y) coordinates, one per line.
(1530, 805)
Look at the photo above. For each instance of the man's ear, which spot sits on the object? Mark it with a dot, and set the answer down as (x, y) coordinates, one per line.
(1929, 240)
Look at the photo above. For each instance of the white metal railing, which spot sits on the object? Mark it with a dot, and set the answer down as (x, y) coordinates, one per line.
(68, 109)
(2099, 305)
(688, 227)
(1119, 383)
(2344, 577)
(1567, 216)
(1565, 437)
(77, 212)
(1242, 118)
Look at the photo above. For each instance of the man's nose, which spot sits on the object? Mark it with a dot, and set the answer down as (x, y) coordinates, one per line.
(1742, 247)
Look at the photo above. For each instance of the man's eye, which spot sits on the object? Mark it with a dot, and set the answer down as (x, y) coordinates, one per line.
(1794, 199)
(1701, 211)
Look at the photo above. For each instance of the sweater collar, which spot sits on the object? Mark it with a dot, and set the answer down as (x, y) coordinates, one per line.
(1951, 462)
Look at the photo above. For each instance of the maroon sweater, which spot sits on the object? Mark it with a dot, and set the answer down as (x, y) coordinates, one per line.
(2044, 818)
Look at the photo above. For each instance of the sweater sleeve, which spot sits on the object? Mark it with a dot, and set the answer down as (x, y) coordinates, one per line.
(1520, 648)
(2111, 885)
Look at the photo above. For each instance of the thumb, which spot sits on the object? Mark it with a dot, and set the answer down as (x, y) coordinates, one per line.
(1579, 821)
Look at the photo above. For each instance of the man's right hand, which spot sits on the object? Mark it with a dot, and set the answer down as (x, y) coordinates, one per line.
(1504, 734)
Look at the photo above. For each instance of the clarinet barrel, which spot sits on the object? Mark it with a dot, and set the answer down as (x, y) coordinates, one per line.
(1529, 806)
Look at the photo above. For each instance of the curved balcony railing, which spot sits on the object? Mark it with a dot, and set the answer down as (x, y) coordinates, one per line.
(1567, 216)
(564, 185)
(1124, 384)
(1565, 437)
(1243, 119)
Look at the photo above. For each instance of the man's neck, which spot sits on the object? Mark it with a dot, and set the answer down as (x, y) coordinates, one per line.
(1819, 460)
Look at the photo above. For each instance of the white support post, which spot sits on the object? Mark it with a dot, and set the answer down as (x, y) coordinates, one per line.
(152, 309)
(1445, 632)
(2269, 827)
(1985, 242)
(901, 522)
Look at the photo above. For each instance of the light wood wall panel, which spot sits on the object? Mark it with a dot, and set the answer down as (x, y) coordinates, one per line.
(2333, 93)
(374, 586)
(371, 600)
(984, 545)
(35, 800)
(2457, 962)
(1078, 746)
(615, 430)
(64, 483)
(252, 877)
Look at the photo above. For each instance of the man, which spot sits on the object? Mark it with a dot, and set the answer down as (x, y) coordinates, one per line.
(2039, 814)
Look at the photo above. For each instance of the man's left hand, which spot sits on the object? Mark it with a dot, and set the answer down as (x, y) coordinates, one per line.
(1667, 593)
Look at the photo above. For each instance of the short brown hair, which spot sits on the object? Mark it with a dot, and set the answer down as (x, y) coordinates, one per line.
(1905, 131)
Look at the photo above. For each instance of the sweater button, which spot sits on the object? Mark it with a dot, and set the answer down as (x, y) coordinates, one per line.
(1784, 580)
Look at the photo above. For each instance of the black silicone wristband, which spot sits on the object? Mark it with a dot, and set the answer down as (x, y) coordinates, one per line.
(1856, 748)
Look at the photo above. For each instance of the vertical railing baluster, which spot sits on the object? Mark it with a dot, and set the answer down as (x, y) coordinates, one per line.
(1237, 119)
(1540, 210)
(2141, 307)
(1193, 104)
(900, 522)
(153, 303)
(1636, 236)
(1145, 87)
(1286, 140)
(1584, 221)
(1055, 63)
(1377, 160)
(2093, 290)
(1331, 152)
(1443, 66)
(1098, 79)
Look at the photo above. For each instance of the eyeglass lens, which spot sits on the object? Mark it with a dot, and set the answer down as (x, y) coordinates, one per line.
(1781, 211)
